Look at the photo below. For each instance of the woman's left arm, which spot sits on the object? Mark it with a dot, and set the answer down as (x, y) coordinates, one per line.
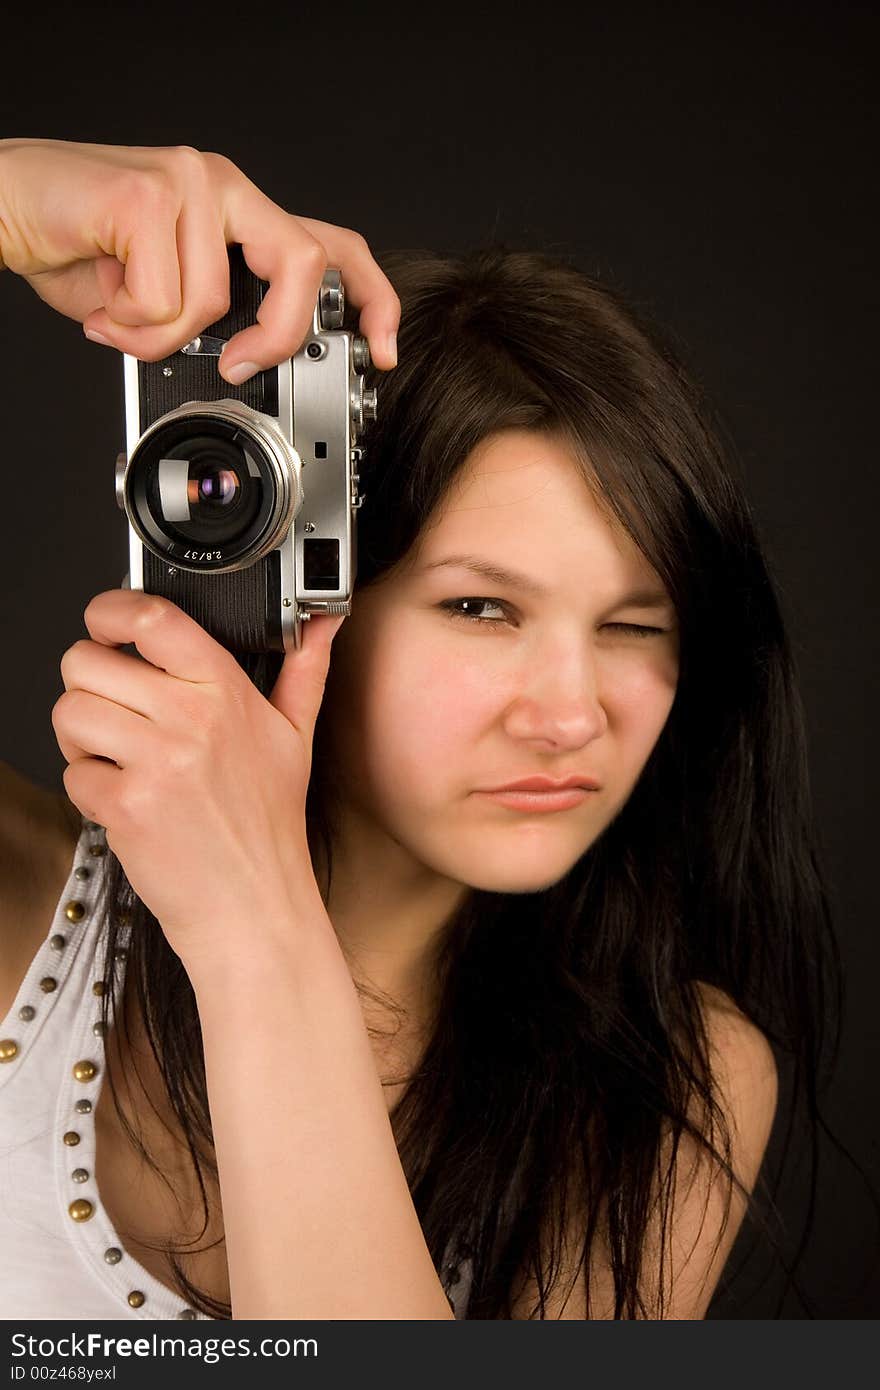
(317, 1212)
(201, 784)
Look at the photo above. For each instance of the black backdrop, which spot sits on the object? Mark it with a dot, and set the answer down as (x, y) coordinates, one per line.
(716, 165)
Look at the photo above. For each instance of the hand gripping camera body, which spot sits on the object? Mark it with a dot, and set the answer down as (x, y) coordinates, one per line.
(242, 501)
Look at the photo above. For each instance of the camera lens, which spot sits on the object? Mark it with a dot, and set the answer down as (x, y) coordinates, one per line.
(217, 485)
(202, 489)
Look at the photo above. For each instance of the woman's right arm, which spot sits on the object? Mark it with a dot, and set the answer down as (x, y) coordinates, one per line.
(131, 241)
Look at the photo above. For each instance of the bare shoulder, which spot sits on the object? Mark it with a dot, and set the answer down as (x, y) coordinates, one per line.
(38, 835)
(687, 1246)
(742, 1061)
(708, 1208)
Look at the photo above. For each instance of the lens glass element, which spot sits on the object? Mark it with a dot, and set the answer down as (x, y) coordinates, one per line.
(202, 489)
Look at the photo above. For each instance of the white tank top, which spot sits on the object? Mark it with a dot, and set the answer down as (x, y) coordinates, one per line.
(56, 1266)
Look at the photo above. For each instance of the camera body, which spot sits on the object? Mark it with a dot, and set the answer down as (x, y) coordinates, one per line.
(242, 501)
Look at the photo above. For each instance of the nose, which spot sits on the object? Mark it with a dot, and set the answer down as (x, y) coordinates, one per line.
(557, 706)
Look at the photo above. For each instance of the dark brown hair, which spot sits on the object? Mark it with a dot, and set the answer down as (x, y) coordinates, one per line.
(569, 1038)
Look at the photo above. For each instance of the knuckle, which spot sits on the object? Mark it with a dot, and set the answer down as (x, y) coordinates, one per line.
(189, 161)
(58, 703)
(219, 163)
(217, 303)
(156, 353)
(76, 648)
(359, 243)
(69, 778)
(153, 611)
(151, 189)
(315, 256)
(182, 756)
(132, 799)
(64, 663)
(66, 704)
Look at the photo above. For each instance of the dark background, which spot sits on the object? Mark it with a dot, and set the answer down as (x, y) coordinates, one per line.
(717, 165)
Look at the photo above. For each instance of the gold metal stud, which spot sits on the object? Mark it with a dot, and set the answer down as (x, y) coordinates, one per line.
(48, 985)
(136, 1299)
(97, 850)
(71, 1138)
(75, 911)
(81, 1210)
(82, 873)
(85, 1071)
(98, 988)
(80, 1175)
(26, 1013)
(58, 942)
(8, 1050)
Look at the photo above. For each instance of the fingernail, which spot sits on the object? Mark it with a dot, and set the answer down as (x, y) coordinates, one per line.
(97, 337)
(242, 371)
(391, 345)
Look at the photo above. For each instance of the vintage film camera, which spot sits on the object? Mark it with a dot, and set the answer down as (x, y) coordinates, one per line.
(242, 500)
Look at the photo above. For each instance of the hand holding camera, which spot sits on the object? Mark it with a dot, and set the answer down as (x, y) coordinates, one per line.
(131, 241)
(241, 478)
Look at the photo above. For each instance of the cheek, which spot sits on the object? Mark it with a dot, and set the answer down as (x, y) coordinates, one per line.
(642, 697)
(424, 710)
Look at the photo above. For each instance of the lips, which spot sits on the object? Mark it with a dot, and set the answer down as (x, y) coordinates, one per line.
(548, 784)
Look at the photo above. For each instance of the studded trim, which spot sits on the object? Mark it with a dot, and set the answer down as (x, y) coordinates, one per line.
(136, 1292)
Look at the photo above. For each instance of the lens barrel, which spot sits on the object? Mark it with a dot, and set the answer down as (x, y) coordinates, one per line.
(212, 487)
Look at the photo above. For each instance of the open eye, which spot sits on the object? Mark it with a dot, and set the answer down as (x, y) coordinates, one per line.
(474, 610)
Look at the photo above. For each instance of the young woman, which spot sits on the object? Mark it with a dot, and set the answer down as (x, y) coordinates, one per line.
(457, 982)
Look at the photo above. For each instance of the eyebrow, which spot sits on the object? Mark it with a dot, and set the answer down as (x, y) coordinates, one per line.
(644, 597)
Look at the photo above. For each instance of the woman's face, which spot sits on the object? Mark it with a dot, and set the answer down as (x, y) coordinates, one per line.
(504, 647)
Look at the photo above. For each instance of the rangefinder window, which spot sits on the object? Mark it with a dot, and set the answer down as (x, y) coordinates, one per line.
(321, 564)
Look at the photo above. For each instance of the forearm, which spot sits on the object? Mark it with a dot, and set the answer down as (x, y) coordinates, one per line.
(317, 1212)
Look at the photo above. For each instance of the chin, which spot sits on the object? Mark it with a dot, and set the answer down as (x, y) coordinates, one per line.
(517, 883)
(513, 874)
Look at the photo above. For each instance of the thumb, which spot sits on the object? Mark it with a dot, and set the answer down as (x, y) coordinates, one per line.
(299, 689)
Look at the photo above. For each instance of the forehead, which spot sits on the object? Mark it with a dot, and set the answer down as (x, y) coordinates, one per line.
(523, 493)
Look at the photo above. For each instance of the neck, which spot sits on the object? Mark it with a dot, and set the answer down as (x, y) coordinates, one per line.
(388, 912)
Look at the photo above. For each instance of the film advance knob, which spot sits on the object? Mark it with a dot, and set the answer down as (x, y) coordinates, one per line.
(360, 354)
(331, 300)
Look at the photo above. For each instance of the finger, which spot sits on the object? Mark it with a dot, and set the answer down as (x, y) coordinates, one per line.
(166, 636)
(93, 786)
(293, 262)
(203, 272)
(366, 285)
(143, 289)
(117, 675)
(88, 725)
(139, 277)
(299, 689)
(71, 289)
